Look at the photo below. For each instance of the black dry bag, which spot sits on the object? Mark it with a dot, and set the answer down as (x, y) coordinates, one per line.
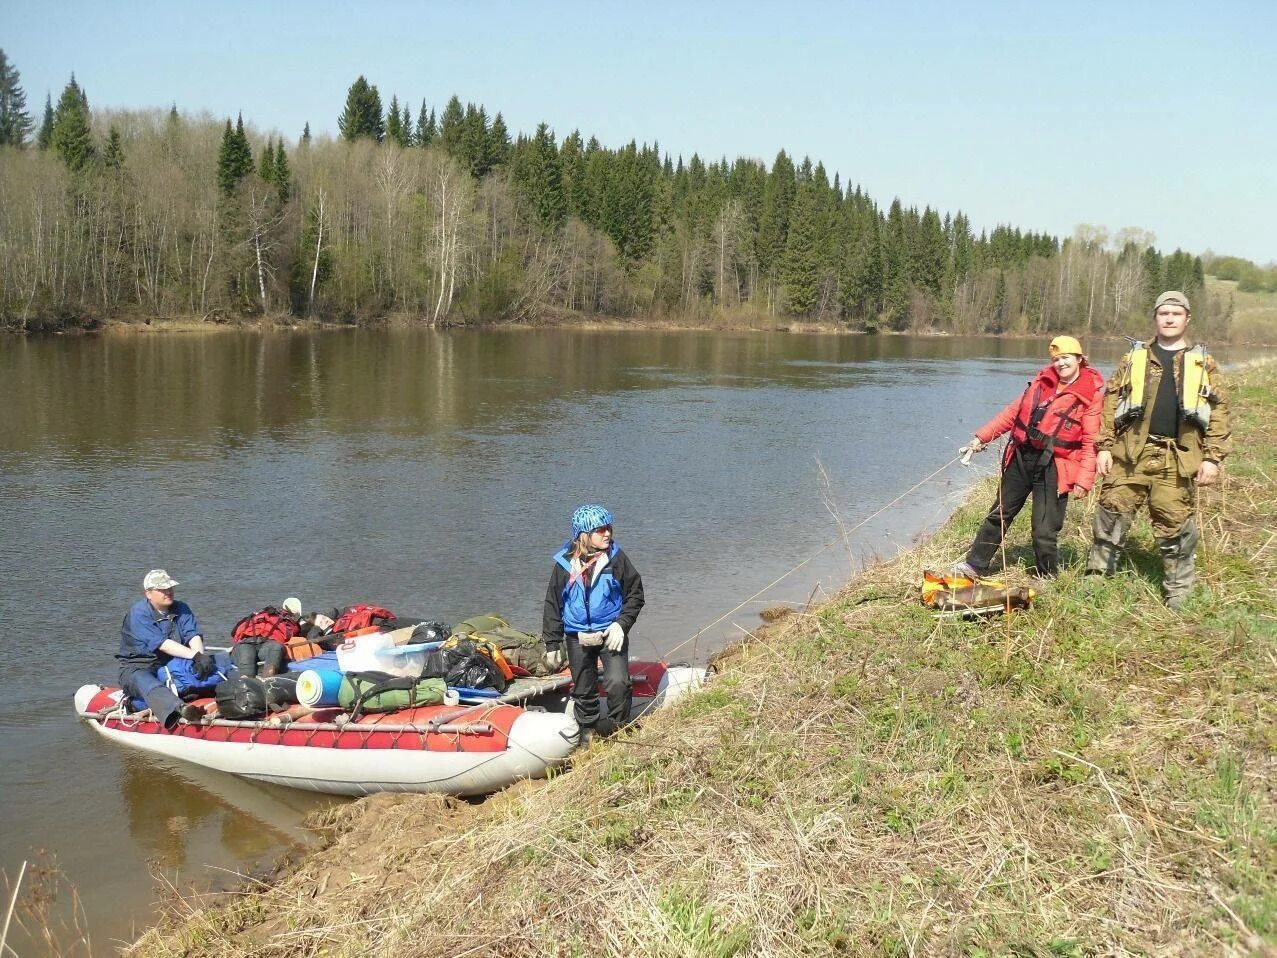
(242, 698)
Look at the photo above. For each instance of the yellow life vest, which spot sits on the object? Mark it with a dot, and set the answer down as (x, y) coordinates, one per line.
(1194, 395)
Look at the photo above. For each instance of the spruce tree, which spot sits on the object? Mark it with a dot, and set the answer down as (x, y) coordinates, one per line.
(362, 116)
(394, 127)
(498, 142)
(572, 162)
(266, 162)
(895, 284)
(282, 177)
(800, 263)
(451, 127)
(773, 226)
(72, 139)
(44, 138)
(15, 122)
(932, 253)
(423, 134)
(427, 129)
(227, 170)
(234, 158)
(405, 124)
(306, 134)
(539, 179)
(113, 153)
(242, 147)
(1154, 275)
(860, 281)
(472, 152)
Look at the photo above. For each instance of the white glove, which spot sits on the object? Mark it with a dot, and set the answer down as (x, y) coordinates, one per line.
(972, 447)
(554, 658)
(590, 639)
(615, 637)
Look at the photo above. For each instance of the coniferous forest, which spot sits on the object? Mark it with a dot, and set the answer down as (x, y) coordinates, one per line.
(446, 217)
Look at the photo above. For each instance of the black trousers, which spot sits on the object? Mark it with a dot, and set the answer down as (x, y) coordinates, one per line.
(1025, 474)
(585, 688)
(263, 657)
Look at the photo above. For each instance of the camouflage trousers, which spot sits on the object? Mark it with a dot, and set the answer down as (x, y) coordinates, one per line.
(1153, 478)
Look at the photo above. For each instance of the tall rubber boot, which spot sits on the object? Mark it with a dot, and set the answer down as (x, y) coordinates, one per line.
(1108, 532)
(244, 656)
(1179, 563)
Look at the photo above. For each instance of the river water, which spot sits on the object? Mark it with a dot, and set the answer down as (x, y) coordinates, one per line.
(429, 472)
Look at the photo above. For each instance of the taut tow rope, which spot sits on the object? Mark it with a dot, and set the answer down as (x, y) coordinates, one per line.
(784, 575)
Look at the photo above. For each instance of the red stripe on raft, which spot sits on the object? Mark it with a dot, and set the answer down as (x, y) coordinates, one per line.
(357, 735)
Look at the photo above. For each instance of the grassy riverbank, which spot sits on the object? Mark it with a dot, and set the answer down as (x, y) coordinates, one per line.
(1093, 776)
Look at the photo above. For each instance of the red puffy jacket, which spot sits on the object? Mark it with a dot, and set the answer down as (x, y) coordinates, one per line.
(1071, 417)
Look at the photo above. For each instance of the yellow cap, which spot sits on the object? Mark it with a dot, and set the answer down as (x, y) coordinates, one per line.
(1065, 344)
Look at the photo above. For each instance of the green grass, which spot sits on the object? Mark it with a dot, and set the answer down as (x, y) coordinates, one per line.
(1254, 314)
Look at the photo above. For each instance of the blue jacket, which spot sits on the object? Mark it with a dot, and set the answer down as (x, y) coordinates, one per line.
(614, 593)
(144, 630)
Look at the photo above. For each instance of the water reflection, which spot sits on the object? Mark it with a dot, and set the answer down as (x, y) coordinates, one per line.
(167, 398)
(184, 815)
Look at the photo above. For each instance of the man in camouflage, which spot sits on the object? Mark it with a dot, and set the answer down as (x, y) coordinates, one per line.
(1161, 453)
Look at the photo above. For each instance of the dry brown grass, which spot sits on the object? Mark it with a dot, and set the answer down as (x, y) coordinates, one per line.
(1094, 776)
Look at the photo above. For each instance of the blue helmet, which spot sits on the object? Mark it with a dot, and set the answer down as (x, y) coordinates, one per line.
(587, 518)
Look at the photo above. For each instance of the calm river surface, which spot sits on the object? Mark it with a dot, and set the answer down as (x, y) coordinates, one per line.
(429, 472)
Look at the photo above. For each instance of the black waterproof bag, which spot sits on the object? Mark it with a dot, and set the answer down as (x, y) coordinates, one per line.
(465, 666)
(242, 698)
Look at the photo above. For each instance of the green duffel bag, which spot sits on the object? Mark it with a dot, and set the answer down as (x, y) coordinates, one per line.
(520, 648)
(362, 692)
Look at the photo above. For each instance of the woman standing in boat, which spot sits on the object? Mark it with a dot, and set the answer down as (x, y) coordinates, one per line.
(1053, 428)
(594, 597)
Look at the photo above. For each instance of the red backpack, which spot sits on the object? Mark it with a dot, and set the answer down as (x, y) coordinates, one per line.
(270, 623)
(361, 616)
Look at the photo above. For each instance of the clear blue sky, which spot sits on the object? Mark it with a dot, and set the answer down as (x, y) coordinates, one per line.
(1158, 115)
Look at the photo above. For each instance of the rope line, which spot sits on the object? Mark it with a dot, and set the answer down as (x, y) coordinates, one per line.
(832, 542)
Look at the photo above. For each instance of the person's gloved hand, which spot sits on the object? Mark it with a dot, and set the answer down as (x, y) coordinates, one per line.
(615, 637)
(974, 446)
(203, 664)
(554, 656)
(590, 639)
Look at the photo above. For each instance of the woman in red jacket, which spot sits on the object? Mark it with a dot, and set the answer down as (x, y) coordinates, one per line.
(1051, 453)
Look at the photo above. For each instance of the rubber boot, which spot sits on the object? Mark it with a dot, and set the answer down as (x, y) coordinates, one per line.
(1179, 564)
(1108, 532)
(244, 656)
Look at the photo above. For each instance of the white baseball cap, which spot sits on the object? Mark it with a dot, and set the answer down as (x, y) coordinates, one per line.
(158, 579)
(292, 605)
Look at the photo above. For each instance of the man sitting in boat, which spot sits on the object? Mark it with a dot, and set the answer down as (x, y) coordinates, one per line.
(156, 630)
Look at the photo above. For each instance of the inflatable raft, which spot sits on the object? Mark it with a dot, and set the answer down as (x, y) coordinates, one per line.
(461, 750)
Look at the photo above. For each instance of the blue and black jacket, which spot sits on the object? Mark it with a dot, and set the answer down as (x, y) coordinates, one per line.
(144, 630)
(613, 593)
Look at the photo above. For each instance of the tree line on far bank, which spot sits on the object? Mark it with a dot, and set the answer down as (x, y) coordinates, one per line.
(447, 218)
